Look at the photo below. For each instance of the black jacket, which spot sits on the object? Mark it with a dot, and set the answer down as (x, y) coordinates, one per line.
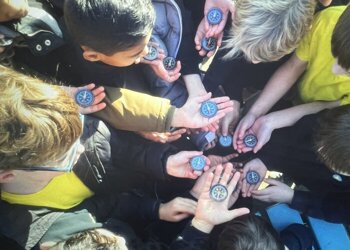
(291, 151)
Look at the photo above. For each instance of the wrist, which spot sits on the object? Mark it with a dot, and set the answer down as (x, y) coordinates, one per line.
(168, 166)
(161, 211)
(202, 225)
(177, 120)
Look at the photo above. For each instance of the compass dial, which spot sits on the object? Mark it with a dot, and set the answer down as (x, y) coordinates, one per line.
(252, 177)
(250, 140)
(218, 192)
(214, 16)
(84, 98)
(169, 63)
(208, 109)
(198, 163)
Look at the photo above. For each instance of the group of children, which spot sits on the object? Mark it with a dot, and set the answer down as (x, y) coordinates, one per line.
(117, 175)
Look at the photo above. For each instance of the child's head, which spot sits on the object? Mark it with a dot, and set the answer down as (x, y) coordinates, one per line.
(38, 122)
(332, 139)
(265, 31)
(90, 239)
(115, 32)
(341, 44)
(249, 232)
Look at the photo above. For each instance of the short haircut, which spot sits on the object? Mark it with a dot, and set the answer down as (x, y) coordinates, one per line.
(90, 239)
(341, 40)
(267, 30)
(39, 122)
(109, 26)
(332, 139)
(249, 232)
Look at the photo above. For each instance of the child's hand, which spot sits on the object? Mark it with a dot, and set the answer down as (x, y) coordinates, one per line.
(255, 165)
(230, 120)
(189, 115)
(210, 212)
(262, 129)
(276, 192)
(242, 129)
(200, 34)
(177, 209)
(226, 6)
(178, 165)
(97, 92)
(158, 66)
(162, 137)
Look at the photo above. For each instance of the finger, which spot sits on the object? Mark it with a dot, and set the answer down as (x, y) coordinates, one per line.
(246, 149)
(217, 174)
(229, 157)
(179, 131)
(90, 86)
(93, 109)
(224, 127)
(272, 182)
(226, 175)
(99, 98)
(179, 217)
(203, 98)
(220, 114)
(208, 181)
(234, 182)
(261, 192)
(219, 41)
(238, 212)
(173, 138)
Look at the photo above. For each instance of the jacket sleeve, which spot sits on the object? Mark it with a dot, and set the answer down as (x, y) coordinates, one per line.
(187, 54)
(333, 207)
(136, 154)
(190, 238)
(134, 111)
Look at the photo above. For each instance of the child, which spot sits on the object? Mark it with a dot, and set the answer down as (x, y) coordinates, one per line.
(313, 152)
(116, 68)
(253, 232)
(318, 83)
(262, 34)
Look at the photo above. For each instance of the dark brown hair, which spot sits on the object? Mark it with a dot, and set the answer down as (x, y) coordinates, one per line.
(249, 232)
(341, 40)
(332, 140)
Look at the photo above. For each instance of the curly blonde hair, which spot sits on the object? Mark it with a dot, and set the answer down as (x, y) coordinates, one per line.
(39, 122)
(265, 31)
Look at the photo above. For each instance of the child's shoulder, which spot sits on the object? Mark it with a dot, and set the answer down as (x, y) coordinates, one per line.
(325, 20)
(330, 13)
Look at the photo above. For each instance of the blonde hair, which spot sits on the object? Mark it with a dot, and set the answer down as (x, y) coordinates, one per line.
(266, 30)
(90, 239)
(38, 122)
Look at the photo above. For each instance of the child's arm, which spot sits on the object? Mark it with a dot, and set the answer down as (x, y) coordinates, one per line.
(265, 125)
(194, 85)
(278, 85)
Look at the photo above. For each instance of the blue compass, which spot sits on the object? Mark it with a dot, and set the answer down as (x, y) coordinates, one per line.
(152, 54)
(214, 16)
(225, 141)
(84, 98)
(169, 63)
(250, 140)
(252, 177)
(208, 109)
(218, 192)
(198, 163)
(209, 44)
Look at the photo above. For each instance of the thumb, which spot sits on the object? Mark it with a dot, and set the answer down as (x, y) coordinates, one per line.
(224, 127)
(203, 98)
(181, 216)
(272, 182)
(238, 212)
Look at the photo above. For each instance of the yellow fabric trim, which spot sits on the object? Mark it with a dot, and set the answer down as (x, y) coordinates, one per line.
(63, 192)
